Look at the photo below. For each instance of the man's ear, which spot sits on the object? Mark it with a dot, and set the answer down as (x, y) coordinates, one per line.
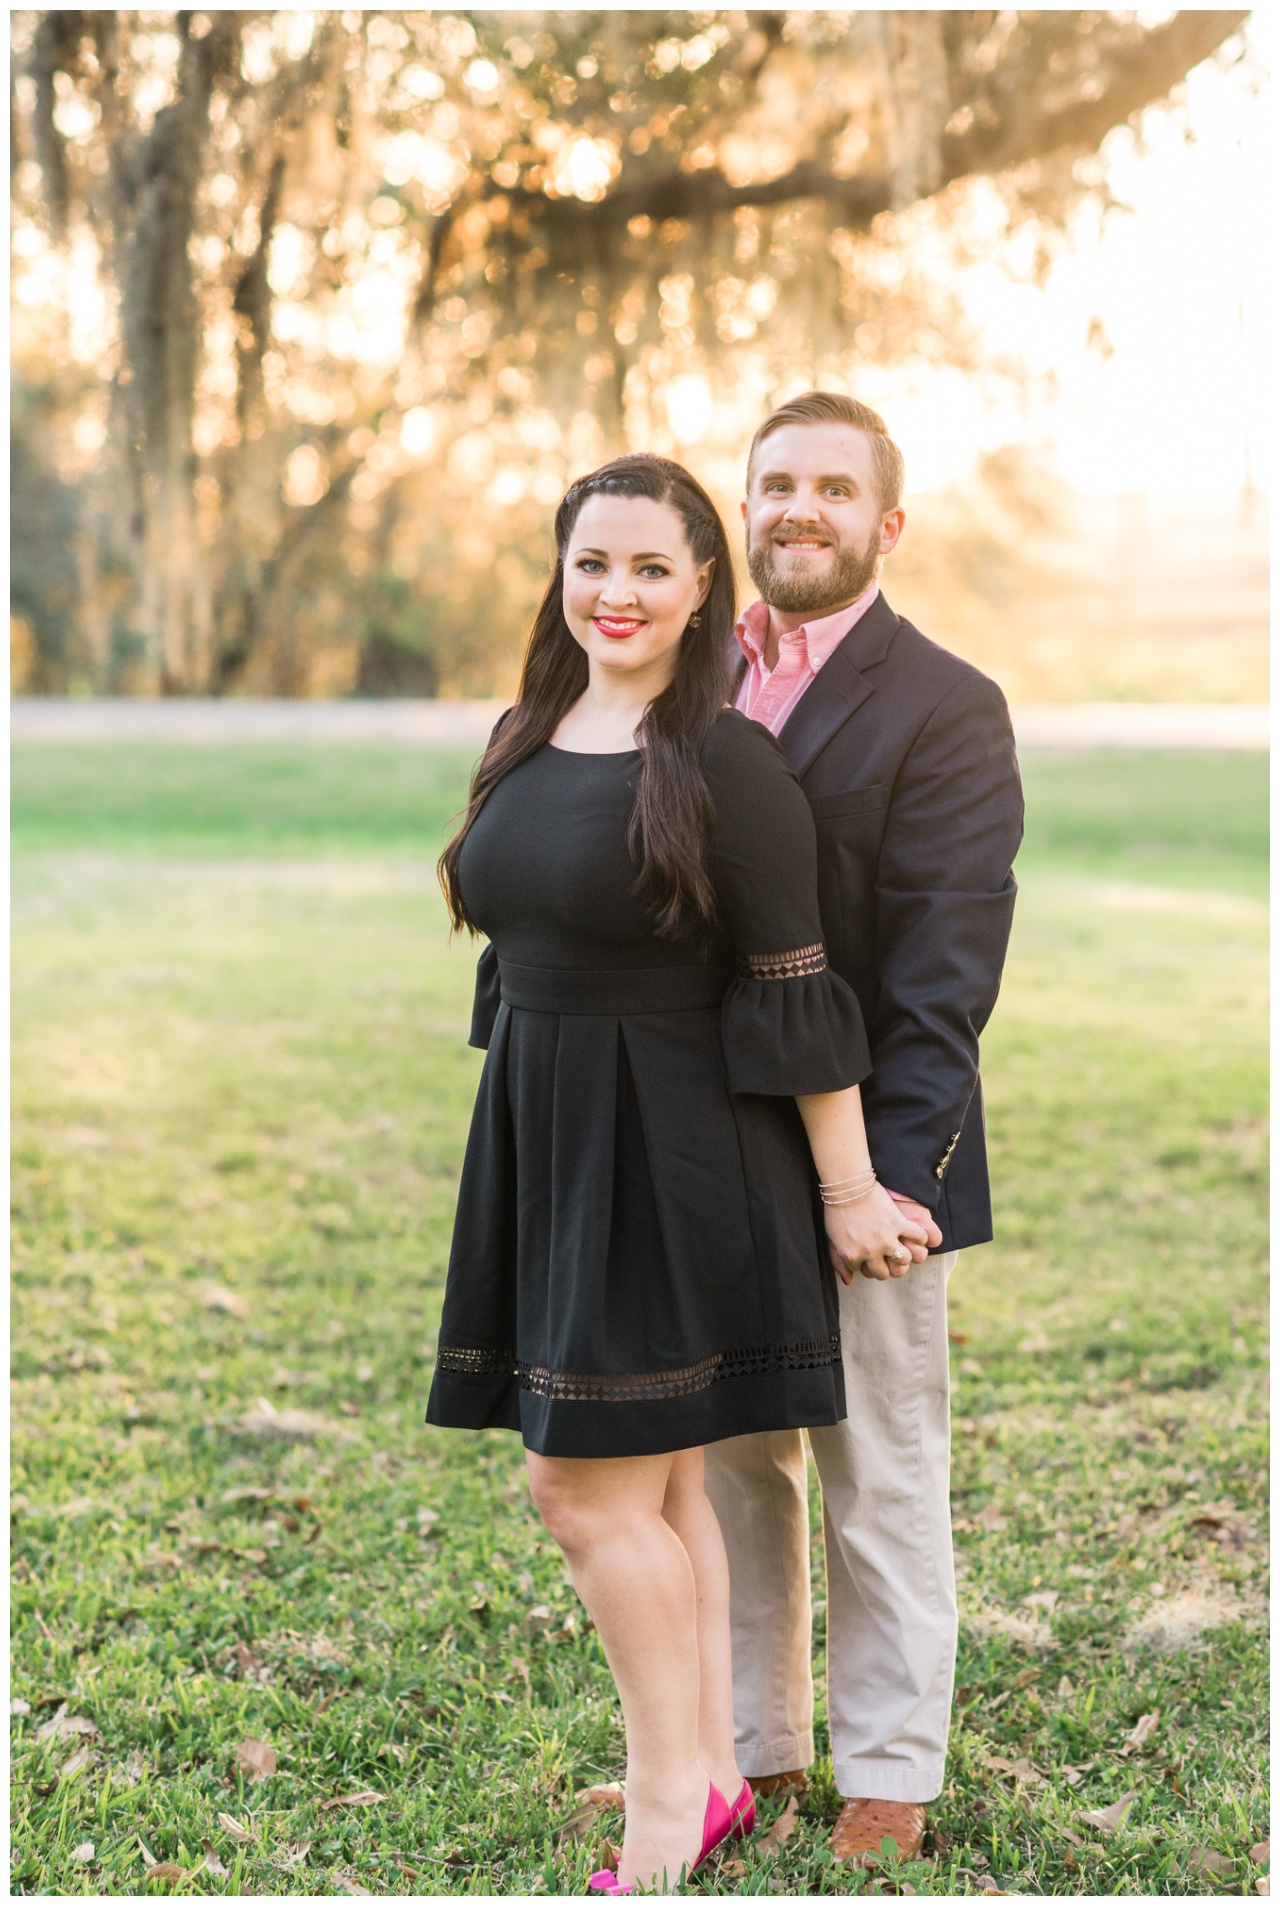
(891, 529)
(743, 507)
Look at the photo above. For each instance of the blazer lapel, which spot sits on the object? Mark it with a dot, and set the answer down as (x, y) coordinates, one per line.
(838, 688)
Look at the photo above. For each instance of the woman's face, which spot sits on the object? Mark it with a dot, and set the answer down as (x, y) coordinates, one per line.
(631, 583)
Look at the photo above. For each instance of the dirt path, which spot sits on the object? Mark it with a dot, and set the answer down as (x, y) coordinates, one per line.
(465, 724)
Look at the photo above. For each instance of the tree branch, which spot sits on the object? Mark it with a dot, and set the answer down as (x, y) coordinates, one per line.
(1139, 76)
(424, 301)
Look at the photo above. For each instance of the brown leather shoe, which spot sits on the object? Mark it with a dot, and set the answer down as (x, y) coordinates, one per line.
(778, 1786)
(863, 1824)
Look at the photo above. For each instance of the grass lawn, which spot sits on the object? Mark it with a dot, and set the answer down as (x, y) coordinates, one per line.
(241, 1093)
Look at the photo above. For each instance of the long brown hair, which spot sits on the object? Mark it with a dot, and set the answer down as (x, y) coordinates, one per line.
(672, 816)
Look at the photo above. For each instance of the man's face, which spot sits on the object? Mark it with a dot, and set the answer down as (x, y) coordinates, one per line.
(815, 528)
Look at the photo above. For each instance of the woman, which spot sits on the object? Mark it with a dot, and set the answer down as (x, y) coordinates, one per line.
(637, 1267)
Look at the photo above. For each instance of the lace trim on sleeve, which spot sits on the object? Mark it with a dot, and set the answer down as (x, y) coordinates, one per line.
(800, 963)
(571, 1386)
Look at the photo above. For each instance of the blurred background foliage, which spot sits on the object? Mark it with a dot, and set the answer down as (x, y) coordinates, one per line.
(316, 313)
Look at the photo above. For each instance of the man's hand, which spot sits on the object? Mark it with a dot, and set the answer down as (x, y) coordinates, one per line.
(873, 1235)
(918, 1214)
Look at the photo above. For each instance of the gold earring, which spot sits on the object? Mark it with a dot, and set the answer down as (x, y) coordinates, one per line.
(695, 620)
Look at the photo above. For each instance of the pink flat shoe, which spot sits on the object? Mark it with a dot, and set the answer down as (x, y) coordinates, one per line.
(742, 1813)
(717, 1825)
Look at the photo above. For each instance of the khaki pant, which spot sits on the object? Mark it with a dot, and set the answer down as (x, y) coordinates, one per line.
(891, 1608)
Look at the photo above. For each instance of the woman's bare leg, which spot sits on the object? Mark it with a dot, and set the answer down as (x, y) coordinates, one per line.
(637, 1583)
(687, 1510)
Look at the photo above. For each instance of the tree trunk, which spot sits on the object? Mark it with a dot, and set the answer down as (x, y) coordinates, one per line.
(160, 334)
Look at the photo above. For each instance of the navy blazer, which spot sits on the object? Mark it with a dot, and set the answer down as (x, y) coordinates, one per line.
(907, 756)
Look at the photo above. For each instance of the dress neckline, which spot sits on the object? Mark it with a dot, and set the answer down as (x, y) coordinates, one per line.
(596, 754)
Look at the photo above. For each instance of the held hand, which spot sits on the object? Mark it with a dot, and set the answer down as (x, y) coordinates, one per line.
(918, 1214)
(874, 1236)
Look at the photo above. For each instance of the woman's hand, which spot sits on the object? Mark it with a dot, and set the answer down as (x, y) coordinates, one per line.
(873, 1236)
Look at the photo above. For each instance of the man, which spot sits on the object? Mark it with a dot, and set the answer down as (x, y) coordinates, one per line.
(907, 757)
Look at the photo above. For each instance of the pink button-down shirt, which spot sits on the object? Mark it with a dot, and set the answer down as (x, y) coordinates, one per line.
(768, 695)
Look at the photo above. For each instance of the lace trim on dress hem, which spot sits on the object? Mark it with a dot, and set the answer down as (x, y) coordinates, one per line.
(569, 1386)
(800, 963)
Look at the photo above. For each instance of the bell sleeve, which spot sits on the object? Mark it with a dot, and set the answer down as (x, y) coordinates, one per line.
(488, 994)
(488, 998)
(789, 1024)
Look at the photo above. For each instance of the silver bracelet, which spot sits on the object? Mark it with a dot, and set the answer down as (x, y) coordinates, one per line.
(859, 1181)
(851, 1197)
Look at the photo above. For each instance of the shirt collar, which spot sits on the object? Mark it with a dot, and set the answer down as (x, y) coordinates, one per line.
(822, 635)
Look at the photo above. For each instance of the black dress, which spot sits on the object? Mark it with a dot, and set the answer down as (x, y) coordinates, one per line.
(638, 1260)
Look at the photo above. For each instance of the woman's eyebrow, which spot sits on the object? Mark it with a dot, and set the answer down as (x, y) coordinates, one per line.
(641, 556)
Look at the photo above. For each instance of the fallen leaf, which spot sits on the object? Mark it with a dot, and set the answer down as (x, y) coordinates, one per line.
(212, 1864)
(291, 1426)
(1072, 1839)
(1027, 1676)
(990, 1518)
(168, 1872)
(253, 1555)
(353, 1886)
(77, 1762)
(538, 1617)
(1206, 1862)
(215, 1297)
(17, 1706)
(63, 1724)
(148, 1857)
(256, 1759)
(328, 1700)
(1263, 1885)
(246, 1495)
(1066, 1689)
(733, 1869)
(229, 1824)
(587, 1809)
(83, 1852)
(1046, 1598)
(1022, 1770)
(247, 1665)
(288, 1855)
(958, 1336)
(1108, 1819)
(1261, 1853)
(782, 1829)
(368, 1798)
(1145, 1728)
(1073, 1776)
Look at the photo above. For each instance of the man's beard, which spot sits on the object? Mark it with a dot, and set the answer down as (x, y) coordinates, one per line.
(851, 573)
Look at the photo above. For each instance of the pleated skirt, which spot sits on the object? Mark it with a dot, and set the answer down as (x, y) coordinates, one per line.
(638, 1261)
